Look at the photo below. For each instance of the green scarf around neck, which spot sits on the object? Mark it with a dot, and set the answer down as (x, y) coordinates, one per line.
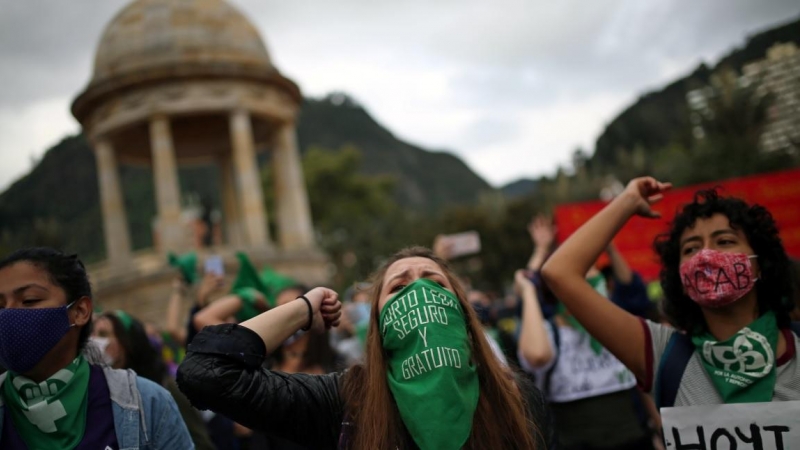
(431, 374)
(598, 282)
(742, 367)
(50, 414)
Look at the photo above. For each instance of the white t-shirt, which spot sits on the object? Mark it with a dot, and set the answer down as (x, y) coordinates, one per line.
(579, 372)
(696, 387)
(498, 352)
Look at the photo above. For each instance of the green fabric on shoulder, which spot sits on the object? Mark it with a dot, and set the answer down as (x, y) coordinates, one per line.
(275, 283)
(187, 264)
(247, 286)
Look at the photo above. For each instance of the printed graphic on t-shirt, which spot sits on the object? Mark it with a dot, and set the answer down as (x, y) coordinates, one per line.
(580, 372)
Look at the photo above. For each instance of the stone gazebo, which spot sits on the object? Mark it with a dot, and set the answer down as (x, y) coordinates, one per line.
(190, 82)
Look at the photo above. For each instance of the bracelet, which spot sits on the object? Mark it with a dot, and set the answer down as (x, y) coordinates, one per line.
(310, 313)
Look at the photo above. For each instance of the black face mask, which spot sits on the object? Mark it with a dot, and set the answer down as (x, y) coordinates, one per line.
(28, 334)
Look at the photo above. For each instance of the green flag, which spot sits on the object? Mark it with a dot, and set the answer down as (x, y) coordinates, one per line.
(186, 263)
(248, 286)
(275, 283)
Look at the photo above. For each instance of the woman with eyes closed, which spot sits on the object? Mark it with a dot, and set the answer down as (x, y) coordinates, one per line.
(726, 281)
(429, 380)
(57, 393)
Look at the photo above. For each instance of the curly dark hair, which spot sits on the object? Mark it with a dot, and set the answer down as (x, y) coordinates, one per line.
(773, 288)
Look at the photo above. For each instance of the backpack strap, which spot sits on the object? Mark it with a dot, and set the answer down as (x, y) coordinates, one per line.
(795, 326)
(673, 363)
(557, 344)
(670, 369)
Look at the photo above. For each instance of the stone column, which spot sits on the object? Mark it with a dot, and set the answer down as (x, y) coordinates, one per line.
(230, 209)
(293, 213)
(115, 221)
(252, 214)
(172, 236)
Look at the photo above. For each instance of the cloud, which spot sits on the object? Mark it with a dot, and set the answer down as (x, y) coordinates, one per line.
(544, 138)
(47, 48)
(25, 131)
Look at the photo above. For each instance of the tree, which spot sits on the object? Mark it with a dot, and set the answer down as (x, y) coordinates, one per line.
(732, 124)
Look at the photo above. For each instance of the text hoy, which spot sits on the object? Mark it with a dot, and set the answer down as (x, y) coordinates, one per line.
(724, 438)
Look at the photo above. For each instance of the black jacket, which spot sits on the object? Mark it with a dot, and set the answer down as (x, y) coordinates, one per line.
(223, 372)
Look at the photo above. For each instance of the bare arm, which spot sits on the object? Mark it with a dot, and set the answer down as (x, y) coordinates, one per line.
(176, 331)
(277, 324)
(534, 344)
(622, 271)
(218, 312)
(618, 330)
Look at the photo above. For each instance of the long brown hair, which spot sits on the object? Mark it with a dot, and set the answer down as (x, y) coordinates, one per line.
(501, 419)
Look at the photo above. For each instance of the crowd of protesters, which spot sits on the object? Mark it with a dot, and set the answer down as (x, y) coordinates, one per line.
(573, 356)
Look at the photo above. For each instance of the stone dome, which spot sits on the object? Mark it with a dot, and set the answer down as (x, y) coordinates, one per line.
(169, 37)
(158, 42)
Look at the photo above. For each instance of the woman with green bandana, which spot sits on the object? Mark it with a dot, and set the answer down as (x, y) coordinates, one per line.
(429, 379)
(57, 393)
(579, 377)
(726, 283)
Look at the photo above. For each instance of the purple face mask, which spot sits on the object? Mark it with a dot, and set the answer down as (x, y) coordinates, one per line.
(27, 334)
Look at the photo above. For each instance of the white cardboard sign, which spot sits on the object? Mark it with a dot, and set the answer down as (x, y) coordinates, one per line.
(744, 426)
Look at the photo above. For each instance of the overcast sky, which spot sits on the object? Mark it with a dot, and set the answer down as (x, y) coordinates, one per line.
(512, 86)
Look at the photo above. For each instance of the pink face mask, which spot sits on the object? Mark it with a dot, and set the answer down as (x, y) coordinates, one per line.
(714, 279)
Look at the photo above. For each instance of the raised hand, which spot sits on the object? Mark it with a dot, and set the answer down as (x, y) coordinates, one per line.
(543, 235)
(210, 284)
(542, 231)
(522, 282)
(646, 191)
(326, 307)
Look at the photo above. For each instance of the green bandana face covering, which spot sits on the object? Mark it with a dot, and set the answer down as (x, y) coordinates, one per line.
(743, 366)
(50, 414)
(430, 373)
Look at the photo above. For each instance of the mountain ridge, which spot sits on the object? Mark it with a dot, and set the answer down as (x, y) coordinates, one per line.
(57, 202)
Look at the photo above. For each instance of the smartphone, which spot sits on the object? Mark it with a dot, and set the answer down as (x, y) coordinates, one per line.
(461, 244)
(215, 265)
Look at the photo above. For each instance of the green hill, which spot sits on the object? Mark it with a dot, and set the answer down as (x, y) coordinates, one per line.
(425, 180)
(57, 203)
(661, 118)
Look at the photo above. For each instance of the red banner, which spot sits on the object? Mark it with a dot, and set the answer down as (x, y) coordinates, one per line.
(779, 192)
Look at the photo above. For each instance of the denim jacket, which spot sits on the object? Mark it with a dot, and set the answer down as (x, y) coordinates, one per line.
(145, 415)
